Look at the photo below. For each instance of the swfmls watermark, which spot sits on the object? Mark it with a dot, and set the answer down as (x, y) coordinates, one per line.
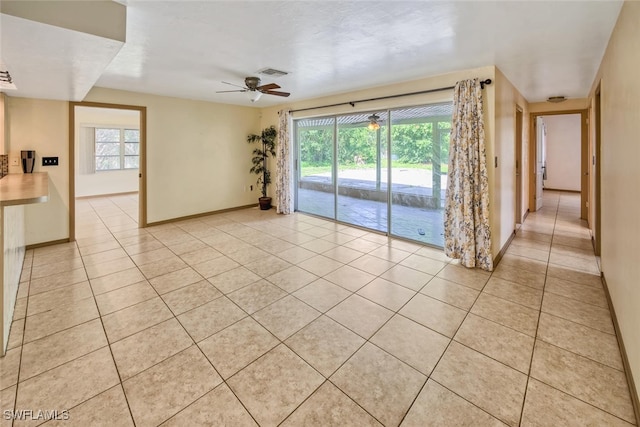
(37, 414)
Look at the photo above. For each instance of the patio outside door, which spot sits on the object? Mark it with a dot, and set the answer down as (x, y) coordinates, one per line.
(419, 161)
(362, 179)
(315, 189)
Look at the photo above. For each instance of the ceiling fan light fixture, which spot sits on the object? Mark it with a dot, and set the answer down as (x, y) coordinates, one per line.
(556, 99)
(254, 95)
(373, 122)
(254, 89)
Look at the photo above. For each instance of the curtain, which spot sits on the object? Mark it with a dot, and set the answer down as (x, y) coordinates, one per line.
(87, 150)
(467, 235)
(284, 185)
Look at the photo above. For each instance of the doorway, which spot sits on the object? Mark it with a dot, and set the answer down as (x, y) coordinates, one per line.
(568, 171)
(107, 152)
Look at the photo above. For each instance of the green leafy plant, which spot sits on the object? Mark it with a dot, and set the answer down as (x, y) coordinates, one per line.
(260, 155)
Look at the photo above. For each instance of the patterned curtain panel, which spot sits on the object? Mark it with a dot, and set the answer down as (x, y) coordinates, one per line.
(284, 186)
(467, 235)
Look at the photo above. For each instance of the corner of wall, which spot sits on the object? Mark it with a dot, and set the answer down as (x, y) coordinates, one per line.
(502, 178)
(42, 125)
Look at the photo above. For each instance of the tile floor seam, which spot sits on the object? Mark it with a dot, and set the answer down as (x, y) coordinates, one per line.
(366, 341)
(578, 300)
(576, 282)
(328, 378)
(513, 281)
(24, 327)
(223, 383)
(308, 363)
(137, 331)
(321, 312)
(533, 350)
(604, 365)
(582, 400)
(577, 323)
(508, 300)
(113, 359)
(470, 402)
(490, 357)
(345, 393)
(210, 335)
(435, 366)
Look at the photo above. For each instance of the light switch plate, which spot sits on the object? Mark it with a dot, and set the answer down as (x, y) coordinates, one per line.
(49, 161)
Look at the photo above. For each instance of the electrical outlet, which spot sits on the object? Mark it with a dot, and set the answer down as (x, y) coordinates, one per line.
(15, 161)
(49, 161)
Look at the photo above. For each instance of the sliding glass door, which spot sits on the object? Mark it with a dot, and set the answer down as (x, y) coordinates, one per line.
(362, 181)
(315, 190)
(344, 173)
(419, 161)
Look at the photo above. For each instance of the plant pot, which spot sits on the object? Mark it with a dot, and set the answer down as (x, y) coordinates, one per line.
(265, 203)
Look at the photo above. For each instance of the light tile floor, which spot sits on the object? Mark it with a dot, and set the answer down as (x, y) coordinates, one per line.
(249, 318)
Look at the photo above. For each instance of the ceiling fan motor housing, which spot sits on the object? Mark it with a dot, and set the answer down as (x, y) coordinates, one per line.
(252, 82)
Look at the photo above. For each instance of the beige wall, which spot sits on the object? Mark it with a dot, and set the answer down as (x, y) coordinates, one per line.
(621, 177)
(198, 159)
(197, 156)
(563, 151)
(3, 128)
(500, 99)
(42, 125)
(504, 202)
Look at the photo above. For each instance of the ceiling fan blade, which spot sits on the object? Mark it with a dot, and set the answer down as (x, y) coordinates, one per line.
(275, 92)
(268, 87)
(233, 84)
(226, 91)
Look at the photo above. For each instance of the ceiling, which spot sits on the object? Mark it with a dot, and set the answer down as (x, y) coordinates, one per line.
(186, 48)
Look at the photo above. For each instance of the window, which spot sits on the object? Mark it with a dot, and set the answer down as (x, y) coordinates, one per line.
(117, 148)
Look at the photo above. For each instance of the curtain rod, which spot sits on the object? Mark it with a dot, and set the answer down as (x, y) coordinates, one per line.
(353, 103)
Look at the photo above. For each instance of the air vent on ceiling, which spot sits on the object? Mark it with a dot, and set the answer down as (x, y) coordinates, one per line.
(6, 82)
(272, 72)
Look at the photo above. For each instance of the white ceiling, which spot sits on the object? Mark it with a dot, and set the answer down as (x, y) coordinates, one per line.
(186, 48)
(51, 62)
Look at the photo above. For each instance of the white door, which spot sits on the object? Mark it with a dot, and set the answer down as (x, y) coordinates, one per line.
(540, 159)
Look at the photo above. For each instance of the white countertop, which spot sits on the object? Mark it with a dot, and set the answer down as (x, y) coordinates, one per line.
(24, 188)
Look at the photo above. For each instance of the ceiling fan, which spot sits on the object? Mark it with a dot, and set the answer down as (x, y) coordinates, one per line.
(255, 90)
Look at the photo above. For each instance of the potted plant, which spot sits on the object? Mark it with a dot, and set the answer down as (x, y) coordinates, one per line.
(259, 160)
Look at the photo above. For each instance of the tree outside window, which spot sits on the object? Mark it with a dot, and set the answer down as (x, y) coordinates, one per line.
(117, 149)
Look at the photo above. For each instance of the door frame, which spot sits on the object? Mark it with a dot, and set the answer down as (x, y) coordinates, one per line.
(142, 171)
(584, 150)
(518, 150)
(597, 118)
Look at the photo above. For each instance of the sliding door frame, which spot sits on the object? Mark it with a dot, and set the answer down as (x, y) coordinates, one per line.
(335, 166)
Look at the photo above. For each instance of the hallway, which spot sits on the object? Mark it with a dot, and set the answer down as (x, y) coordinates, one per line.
(249, 317)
